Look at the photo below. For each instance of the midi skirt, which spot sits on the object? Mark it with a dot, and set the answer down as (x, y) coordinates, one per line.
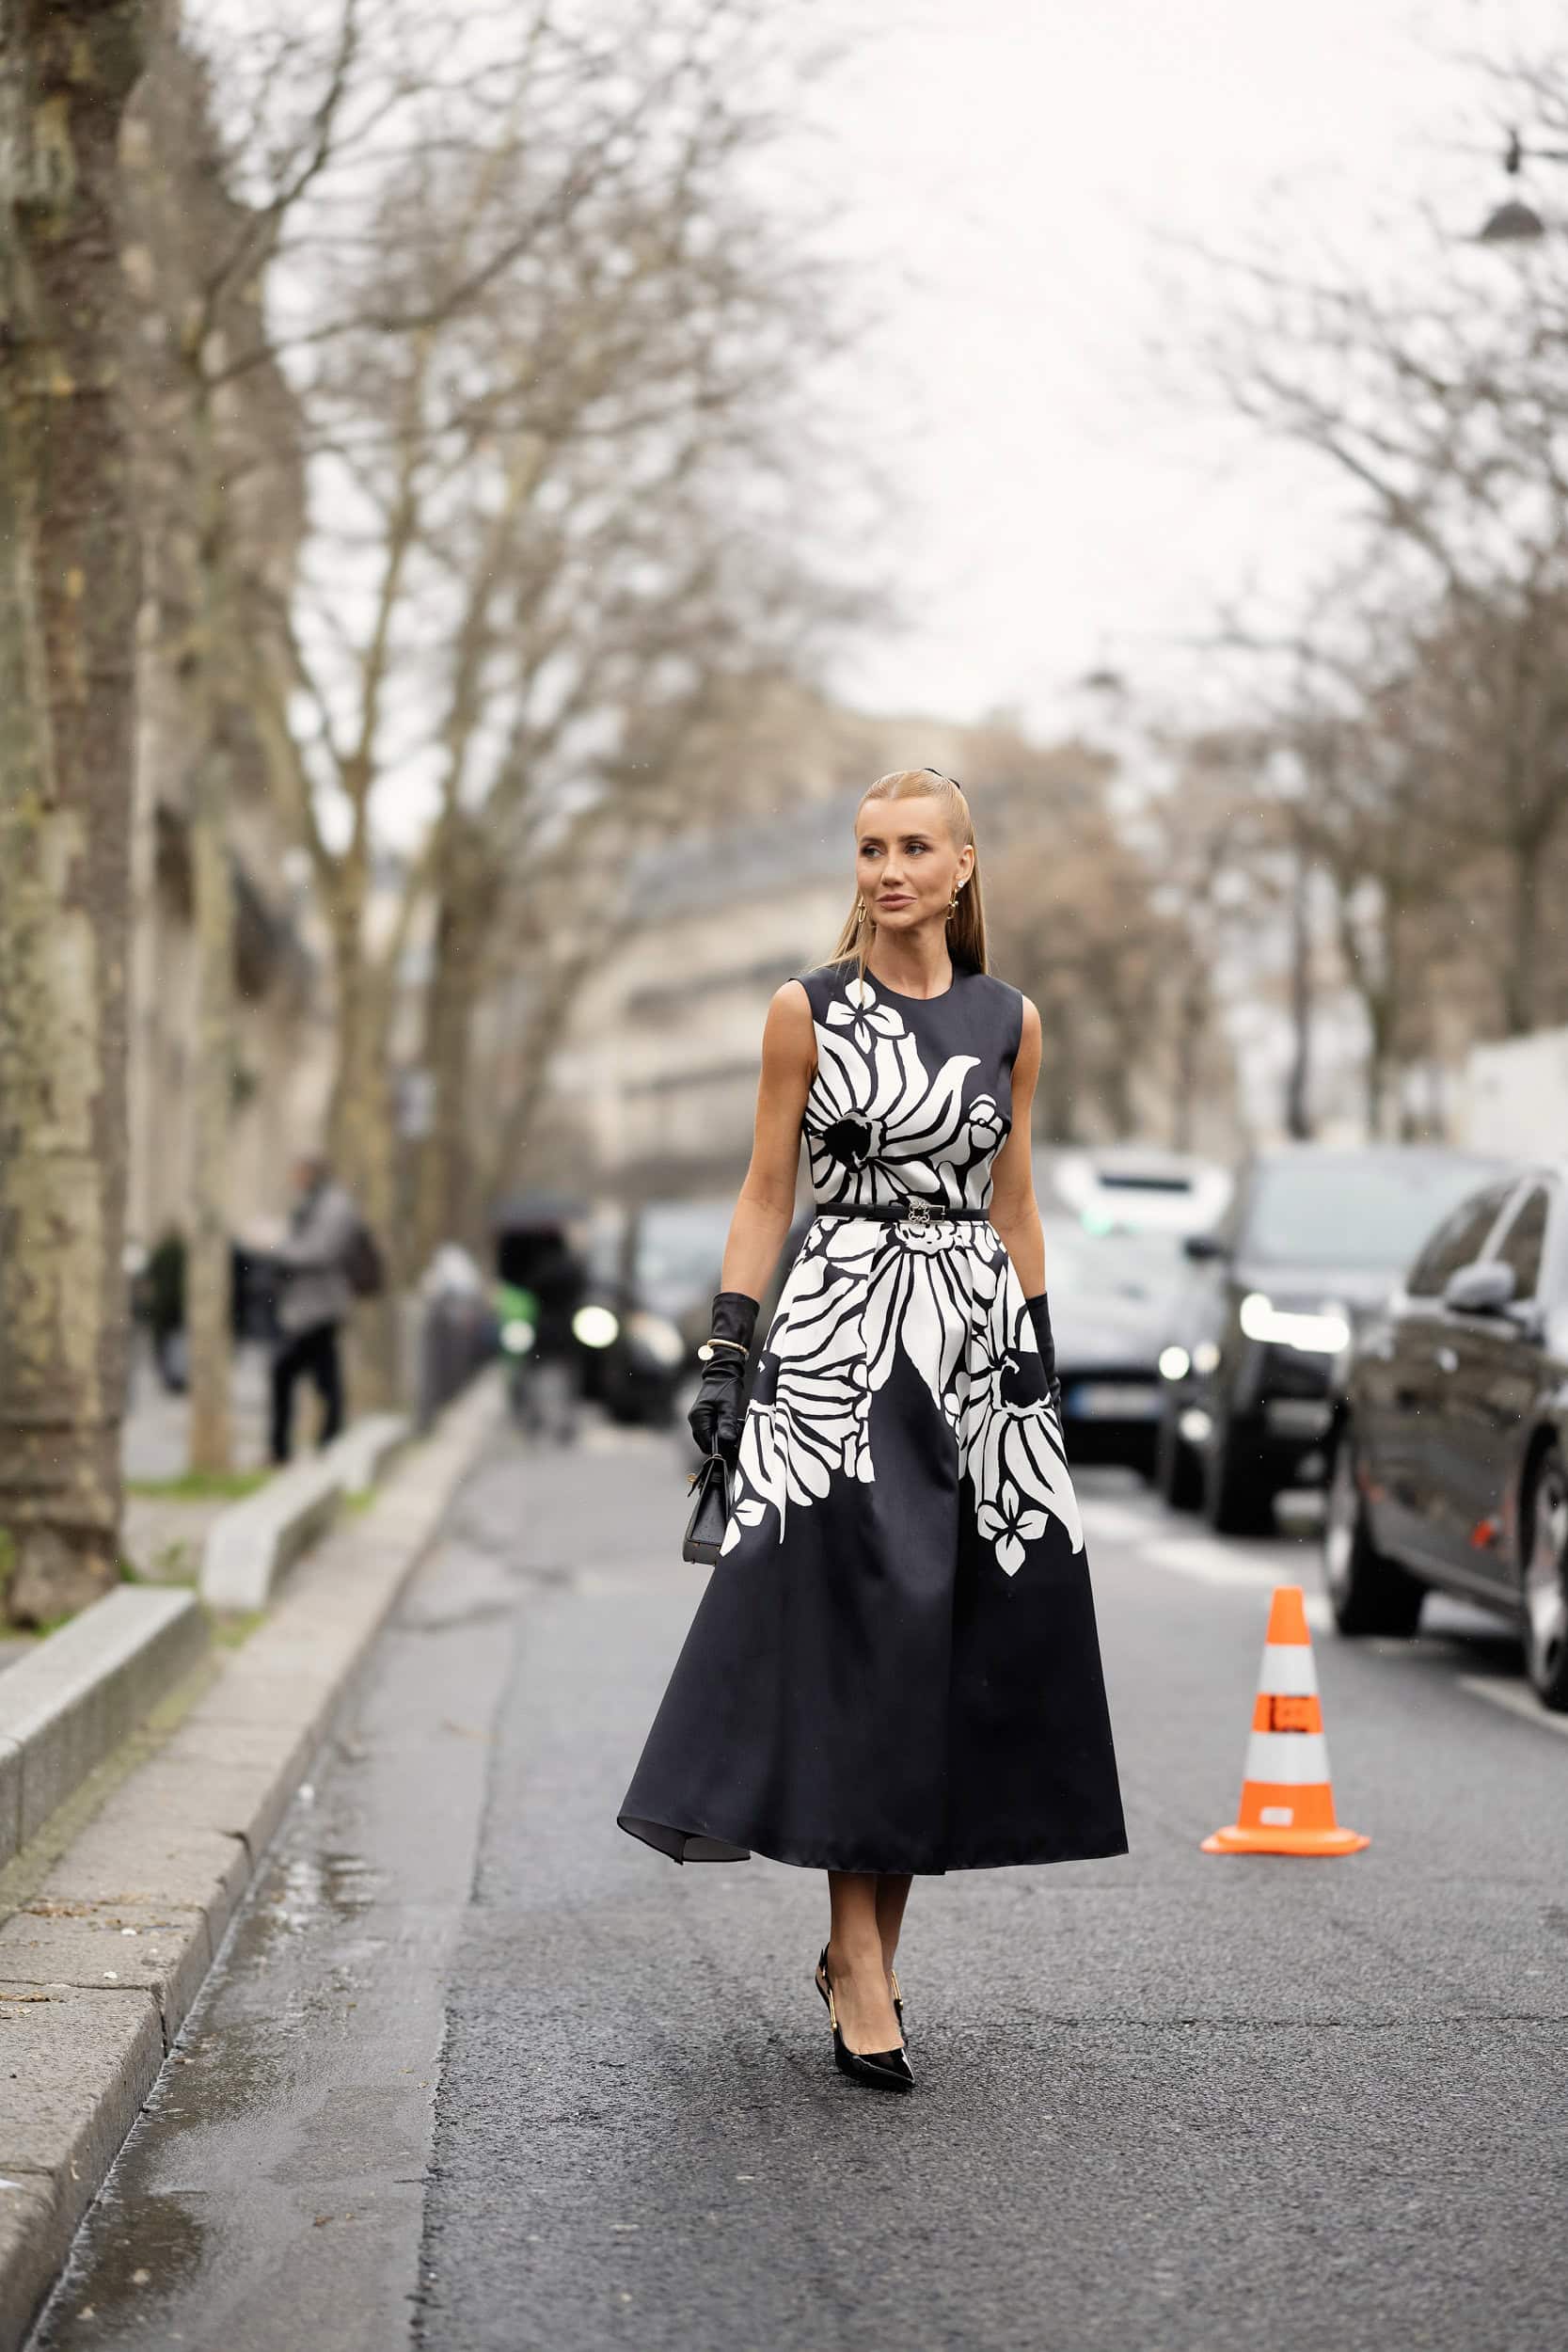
(895, 1665)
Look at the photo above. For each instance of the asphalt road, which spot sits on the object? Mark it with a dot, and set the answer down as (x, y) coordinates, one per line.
(478, 2070)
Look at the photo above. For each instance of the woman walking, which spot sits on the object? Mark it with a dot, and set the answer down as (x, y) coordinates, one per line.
(894, 1669)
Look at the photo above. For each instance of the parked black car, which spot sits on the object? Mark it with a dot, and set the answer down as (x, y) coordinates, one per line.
(674, 1251)
(1113, 1297)
(627, 1355)
(1313, 1240)
(1451, 1438)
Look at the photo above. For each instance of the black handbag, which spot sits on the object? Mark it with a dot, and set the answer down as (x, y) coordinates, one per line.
(710, 1511)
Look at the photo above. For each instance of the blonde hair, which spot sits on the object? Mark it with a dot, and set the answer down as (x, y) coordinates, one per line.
(966, 929)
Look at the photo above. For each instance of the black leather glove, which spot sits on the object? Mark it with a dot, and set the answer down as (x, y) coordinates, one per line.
(717, 1413)
(1040, 1315)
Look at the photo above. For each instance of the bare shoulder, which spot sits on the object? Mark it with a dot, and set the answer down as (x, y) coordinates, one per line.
(1030, 1048)
(789, 1010)
(789, 1034)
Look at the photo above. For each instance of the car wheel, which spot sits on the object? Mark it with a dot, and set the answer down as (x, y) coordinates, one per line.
(1367, 1592)
(1177, 1478)
(1547, 1582)
(1237, 1498)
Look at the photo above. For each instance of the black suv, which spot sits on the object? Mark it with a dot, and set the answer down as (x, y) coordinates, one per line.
(1312, 1240)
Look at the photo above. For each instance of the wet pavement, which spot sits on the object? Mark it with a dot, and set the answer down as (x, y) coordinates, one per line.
(273, 2192)
(478, 2070)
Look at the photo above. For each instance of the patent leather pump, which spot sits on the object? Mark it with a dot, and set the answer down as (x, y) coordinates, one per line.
(882, 2070)
(821, 1981)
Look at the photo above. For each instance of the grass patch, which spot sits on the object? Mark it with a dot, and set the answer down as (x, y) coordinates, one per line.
(230, 1632)
(171, 1563)
(201, 1486)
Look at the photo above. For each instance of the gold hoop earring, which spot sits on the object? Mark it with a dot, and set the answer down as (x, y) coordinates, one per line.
(859, 913)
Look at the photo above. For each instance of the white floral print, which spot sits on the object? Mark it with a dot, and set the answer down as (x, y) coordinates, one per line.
(881, 1128)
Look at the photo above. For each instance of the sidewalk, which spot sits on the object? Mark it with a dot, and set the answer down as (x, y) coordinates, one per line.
(111, 1918)
(156, 1427)
(162, 1535)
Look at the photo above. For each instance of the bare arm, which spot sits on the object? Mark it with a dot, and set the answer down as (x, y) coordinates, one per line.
(1013, 1209)
(767, 1202)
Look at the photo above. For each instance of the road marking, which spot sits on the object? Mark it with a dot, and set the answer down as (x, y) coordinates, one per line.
(1203, 1559)
(1518, 1698)
(1227, 1566)
(1210, 1561)
(1121, 1522)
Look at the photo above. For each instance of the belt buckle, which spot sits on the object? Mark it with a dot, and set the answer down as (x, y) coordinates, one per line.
(920, 1217)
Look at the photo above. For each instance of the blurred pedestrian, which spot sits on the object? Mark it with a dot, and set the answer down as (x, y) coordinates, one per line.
(163, 1278)
(314, 1262)
(551, 1386)
(894, 1670)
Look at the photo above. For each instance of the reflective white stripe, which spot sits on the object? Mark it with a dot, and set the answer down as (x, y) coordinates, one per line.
(1288, 1670)
(1293, 1760)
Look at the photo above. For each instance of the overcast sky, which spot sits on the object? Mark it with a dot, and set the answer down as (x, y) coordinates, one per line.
(1003, 174)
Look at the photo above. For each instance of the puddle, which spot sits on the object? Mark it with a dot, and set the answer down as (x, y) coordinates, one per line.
(152, 2246)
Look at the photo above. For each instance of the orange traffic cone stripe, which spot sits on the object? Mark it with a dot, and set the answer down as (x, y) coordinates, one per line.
(1286, 1795)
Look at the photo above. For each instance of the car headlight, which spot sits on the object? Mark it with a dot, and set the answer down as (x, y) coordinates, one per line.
(659, 1335)
(1175, 1363)
(1322, 1334)
(517, 1336)
(595, 1327)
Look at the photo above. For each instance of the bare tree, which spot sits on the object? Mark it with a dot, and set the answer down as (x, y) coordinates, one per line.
(1433, 723)
(547, 437)
(68, 604)
(237, 135)
(1070, 913)
(1206, 839)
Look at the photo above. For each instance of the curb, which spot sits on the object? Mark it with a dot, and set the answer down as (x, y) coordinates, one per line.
(368, 1448)
(70, 1704)
(253, 1544)
(100, 1967)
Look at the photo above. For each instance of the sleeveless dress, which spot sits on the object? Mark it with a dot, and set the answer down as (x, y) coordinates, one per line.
(895, 1665)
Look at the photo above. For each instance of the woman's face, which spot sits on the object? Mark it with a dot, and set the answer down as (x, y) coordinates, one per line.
(906, 866)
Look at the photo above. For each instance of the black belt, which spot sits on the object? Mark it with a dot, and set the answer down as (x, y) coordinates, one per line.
(899, 1212)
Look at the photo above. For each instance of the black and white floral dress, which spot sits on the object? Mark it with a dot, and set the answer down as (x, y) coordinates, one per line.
(894, 1665)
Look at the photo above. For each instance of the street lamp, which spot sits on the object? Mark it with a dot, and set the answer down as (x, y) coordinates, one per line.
(1513, 221)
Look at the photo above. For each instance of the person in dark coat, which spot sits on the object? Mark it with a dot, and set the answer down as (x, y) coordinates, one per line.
(314, 1302)
(558, 1278)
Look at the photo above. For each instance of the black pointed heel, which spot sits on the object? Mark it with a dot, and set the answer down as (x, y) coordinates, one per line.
(821, 1983)
(884, 2070)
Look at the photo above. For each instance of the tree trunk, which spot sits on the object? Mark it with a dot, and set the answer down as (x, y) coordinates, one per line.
(1522, 967)
(443, 1210)
(1192, 1021)
(445, 1206)
(210, 1262)
(1298, 1113)
(1376, 1081)
(68, 584)
(363, 1146)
